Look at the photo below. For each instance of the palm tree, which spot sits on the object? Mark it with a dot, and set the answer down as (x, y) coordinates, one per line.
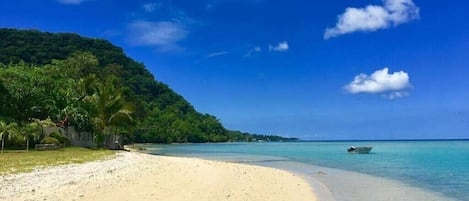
(6, 129)
(46, 123)
(30, 131)
(110, 110)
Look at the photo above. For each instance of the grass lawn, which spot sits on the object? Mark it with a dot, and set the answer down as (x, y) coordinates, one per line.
(15, 161)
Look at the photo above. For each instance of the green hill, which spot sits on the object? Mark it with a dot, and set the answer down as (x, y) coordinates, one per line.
(40, 72)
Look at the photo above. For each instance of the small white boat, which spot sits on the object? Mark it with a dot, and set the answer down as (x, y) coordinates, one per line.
(359, 150)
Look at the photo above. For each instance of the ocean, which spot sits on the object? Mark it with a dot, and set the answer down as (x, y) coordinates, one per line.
(394, 170)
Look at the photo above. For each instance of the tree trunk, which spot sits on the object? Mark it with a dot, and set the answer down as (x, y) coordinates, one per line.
(27, 145)
(3, 144)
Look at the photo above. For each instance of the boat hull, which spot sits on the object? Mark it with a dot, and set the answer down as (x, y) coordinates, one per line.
(360, 150)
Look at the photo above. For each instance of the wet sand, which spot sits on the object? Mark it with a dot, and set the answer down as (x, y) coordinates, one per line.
(332, 184)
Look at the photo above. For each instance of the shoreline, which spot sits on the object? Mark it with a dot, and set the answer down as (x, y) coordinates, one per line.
(332, 184)
(140, 176)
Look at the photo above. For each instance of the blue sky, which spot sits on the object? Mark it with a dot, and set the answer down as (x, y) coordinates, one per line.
(337, 69)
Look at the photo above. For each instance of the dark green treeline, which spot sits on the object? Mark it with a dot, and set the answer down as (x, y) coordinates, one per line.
(95, 87)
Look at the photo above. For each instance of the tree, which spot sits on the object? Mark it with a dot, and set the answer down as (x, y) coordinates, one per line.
(30, 131)
(81, 64)
(5, 101)
(109, 109)
(6, 130)
(25, 89)
(59, 76)
(46, 123)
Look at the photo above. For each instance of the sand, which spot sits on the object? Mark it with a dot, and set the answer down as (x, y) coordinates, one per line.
(332, 184)
(136, 176)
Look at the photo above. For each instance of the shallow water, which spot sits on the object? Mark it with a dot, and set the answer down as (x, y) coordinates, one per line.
(415, 170)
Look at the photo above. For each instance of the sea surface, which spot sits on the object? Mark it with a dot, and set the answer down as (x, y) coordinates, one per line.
(395, 170)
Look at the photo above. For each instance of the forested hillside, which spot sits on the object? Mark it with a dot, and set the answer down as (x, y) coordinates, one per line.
(92, 85)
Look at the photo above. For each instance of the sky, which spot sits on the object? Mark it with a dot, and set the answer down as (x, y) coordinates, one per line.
(317, 70)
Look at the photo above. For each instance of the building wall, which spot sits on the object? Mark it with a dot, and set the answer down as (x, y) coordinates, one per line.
(82, 139)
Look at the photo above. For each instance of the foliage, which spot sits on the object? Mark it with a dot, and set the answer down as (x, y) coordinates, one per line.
(239, 136)
(30, 132)
(6, 131)
(92, 85)
(110, 111)
(41, 48)
(50, 140)
(62, 139)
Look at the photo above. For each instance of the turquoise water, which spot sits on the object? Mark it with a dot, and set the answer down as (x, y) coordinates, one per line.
(440, 166)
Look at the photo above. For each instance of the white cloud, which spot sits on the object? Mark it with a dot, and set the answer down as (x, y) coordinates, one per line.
(74, 2)
(253, 50)
(381, 81)
(150, 7)
(280, 47)
(164, 35)
(216, 54)
(373, 17)
(396, 94)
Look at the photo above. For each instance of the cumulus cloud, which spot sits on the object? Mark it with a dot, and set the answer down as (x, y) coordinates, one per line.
(150, 7)
(280, 47)
(164, 35)
(73, 2)
(373, 17)
(392, 85)
(216, 54)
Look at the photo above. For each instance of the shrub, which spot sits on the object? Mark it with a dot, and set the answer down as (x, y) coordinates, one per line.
(50, 140)
(61, 138)
(16, 142)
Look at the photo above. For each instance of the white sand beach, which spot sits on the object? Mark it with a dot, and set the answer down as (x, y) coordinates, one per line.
(136, 176)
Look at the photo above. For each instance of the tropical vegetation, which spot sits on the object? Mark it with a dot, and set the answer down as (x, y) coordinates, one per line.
(90, 84)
